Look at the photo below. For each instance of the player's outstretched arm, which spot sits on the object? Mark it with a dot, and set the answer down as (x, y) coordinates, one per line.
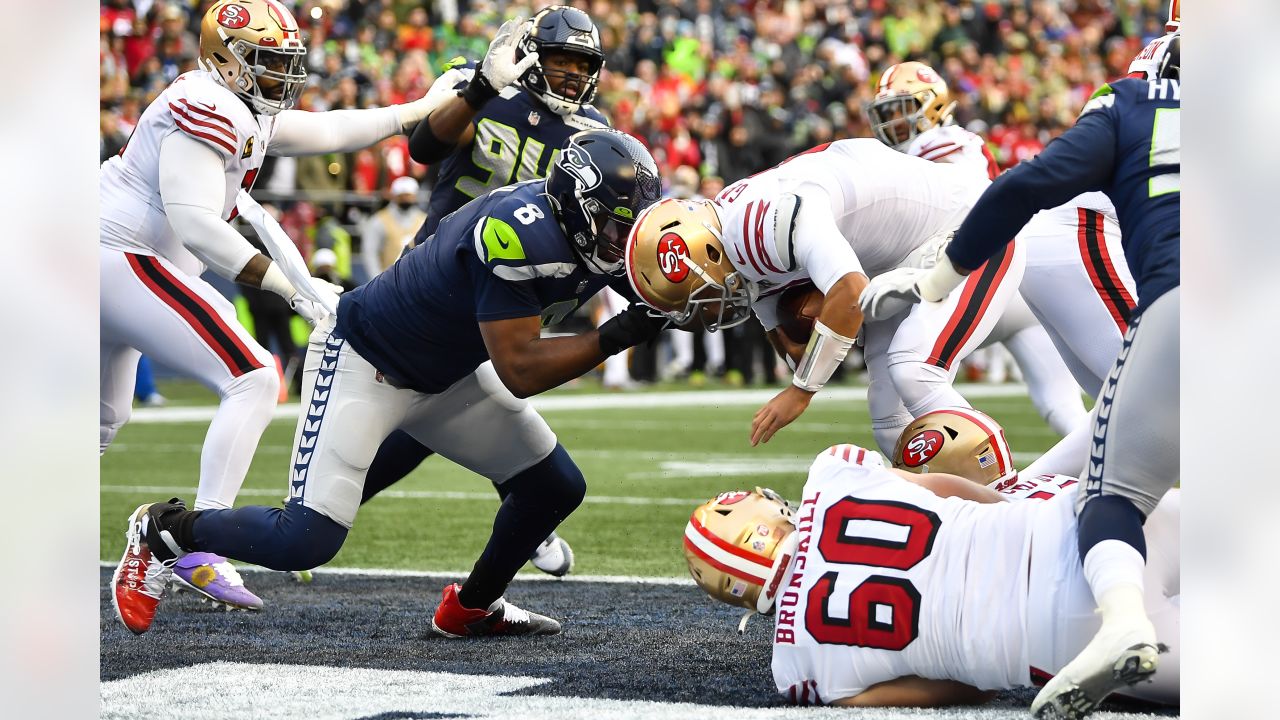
(529, 364)
(833, 334)
(1079, 160)
(944, 485)
(450, 109)
(914, 691)
(192, 188)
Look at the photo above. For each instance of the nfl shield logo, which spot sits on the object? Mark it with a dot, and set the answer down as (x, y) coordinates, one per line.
(534, 117)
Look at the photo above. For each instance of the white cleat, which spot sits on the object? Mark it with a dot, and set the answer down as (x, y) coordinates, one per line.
(553, 556)
(1116, 658)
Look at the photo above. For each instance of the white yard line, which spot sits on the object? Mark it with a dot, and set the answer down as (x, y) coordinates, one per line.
(453, 574)
(554, 403)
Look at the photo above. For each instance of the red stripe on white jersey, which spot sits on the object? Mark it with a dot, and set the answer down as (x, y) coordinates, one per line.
(926, 150)
(211, 138)
(225, 125)
(938, 156)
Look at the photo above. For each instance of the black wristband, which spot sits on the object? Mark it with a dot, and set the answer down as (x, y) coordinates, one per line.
(479, 91)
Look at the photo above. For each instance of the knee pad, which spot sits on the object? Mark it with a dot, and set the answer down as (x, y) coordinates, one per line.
(263, 383)
(107, 434)
(916, 380)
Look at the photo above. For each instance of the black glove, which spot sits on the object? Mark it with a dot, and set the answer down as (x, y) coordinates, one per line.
(633, 326)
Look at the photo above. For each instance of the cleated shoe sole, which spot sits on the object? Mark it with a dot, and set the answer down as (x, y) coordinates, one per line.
(1075, 700)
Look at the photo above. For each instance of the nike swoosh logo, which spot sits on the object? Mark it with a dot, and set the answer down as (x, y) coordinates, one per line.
(502, 243)
(207, 106)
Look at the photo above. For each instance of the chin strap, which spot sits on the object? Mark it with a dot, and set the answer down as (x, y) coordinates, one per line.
(778, 573)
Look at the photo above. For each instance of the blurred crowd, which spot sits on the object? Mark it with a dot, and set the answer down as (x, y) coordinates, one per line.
(718, 89)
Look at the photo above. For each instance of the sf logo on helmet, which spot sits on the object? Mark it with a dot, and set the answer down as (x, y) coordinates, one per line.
(233, 17)
(578, 163)
(671, 253)
(922, 448)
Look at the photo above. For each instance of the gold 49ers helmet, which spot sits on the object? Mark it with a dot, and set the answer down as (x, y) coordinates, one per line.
(910, 99)
(1175, 17)
(739, 546)
(677, 265)
(959, 441)
(255, 49)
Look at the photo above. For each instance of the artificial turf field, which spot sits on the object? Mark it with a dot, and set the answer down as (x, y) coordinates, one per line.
(355, 645)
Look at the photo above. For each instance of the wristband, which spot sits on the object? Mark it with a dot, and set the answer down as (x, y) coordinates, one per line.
(938, 282)
(479, 91)
(275, 281)
(824, 353)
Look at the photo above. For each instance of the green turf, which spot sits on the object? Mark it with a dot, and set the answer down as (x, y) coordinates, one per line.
(672, 452)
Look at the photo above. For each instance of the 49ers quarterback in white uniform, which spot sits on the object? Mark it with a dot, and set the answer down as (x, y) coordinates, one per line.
(165, 202)
(897, 593)
(837, 215)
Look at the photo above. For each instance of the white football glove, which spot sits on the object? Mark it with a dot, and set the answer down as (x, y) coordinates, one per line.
(310, 311)
(890, 293)
(499, 67)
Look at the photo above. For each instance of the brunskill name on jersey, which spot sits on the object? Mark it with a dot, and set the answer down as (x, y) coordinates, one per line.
(517, 138)
(499, 257)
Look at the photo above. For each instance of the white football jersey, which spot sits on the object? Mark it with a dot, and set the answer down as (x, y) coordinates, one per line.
(874, 200)
(953, 144)
(890, 580)
(1037, 487)
(133, 218)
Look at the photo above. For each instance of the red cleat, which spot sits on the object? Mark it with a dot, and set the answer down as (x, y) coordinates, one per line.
(501, 618)
(139, 580)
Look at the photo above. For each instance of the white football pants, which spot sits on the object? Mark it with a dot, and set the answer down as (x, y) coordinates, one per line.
(912, 358)
(149, 306)
(348, 409)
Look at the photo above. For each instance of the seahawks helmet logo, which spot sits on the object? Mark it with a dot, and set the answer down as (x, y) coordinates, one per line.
(577, 163)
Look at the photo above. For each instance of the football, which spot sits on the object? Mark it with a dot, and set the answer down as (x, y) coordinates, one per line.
(798, 308)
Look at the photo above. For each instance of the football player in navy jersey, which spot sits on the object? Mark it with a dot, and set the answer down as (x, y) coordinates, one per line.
(1127, 143)
(501, 121)
(445, 345)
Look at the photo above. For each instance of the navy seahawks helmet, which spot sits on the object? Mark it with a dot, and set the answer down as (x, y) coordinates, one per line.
(598, 185)
(565, 29)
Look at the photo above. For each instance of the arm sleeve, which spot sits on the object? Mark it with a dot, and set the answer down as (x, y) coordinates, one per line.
(298, 132)
(424, 146)
(193, 184)
(1078, 161)
(820, 248)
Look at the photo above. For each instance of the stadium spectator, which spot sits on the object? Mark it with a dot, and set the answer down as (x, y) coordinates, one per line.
(729, 88)
(390, 229)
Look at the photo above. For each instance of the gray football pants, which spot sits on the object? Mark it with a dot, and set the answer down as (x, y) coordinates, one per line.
(1134, 452)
